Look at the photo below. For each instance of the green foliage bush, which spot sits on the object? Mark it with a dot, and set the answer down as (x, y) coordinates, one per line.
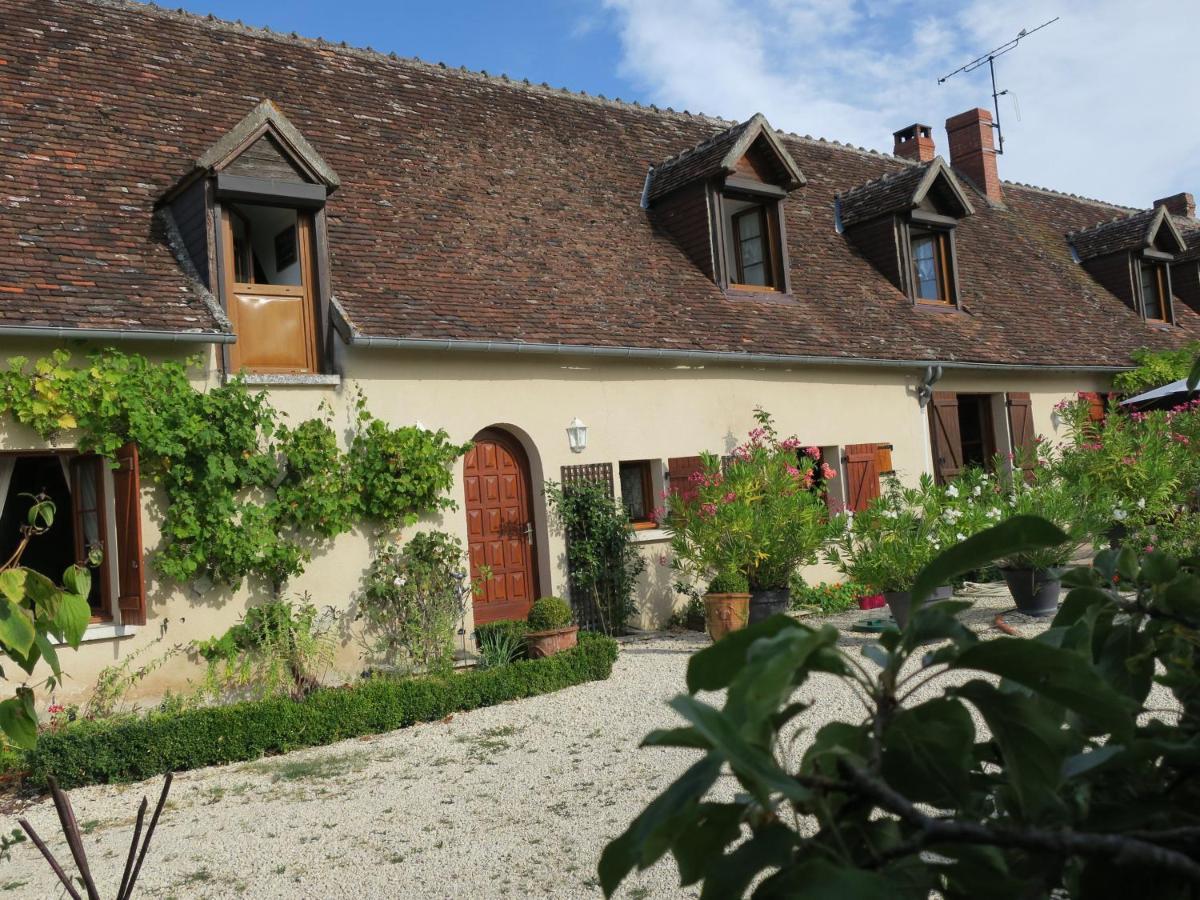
(414, 596)
(827, 598)
(729, 583)
(135, 749)
(603, 562)
(1082, 785)
(548, 613)
(1156, 368)
(501, 646)
(245, 493)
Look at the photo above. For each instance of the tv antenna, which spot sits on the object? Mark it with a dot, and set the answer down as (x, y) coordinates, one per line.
(990, 59)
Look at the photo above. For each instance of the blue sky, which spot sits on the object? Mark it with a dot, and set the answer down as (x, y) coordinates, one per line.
(1094, 106)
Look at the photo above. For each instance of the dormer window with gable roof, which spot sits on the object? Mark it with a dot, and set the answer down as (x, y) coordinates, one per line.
(723, 200)
(904, 223)
(262, 190)
(1132, 258)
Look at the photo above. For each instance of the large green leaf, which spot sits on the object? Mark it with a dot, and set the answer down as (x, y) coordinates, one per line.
(1032, 744)
(771, 848)
(819, 879)
(702, 846)
(773, 667)
(17, 725)
(927, 752)
(16, 627)
(1194, 375)
(12, 584)
(73, 617)
(1019, 534)
(753, 765)
(1062, 676)
(715, 667)
(657, 825)
(935, 621)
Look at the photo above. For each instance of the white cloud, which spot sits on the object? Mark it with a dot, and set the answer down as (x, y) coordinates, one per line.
(1105, 94)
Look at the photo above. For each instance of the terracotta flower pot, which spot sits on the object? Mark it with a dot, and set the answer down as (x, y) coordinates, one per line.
(1035, 591)
(724, 613)
(767, 602)
(540, 644)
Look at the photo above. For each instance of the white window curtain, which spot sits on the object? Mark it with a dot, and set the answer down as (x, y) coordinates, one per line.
(7, 464)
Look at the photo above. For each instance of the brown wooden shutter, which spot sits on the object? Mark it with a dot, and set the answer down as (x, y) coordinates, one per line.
(601, 472)
(1020, 424)
(679, 472)
(862, 475)
(883, 460)
(131, 582)
(1095, 402)
(945, 435)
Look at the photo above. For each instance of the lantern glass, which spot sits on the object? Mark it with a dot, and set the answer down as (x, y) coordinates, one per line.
(577, 435)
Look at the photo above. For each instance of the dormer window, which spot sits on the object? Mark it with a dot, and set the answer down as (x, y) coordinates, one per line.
(904, 223)
(1156, 295)
(722, 201)
(257, 197)
(1132, 257)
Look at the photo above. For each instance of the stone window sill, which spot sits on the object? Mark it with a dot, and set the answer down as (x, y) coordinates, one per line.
(651, 536)
(282, 380)
(105, 631)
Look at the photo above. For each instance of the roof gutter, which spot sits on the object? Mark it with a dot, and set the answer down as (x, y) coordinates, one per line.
(698, 356)
(116, 334)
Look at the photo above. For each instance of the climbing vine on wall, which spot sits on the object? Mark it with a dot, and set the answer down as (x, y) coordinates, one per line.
(246, 493)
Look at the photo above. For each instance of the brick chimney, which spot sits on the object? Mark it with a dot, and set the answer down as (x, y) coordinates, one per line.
(972, 150)
(915, 142)
(1179, 205)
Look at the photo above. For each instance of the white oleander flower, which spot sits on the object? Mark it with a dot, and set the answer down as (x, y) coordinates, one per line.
(952, 491)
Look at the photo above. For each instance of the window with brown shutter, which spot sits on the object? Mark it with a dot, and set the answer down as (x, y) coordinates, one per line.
(1020, 424)
(1096, 405)
(131, 582)
(944, 435)
(883, 460)
(679, 474)
(637, 492)
(862, 475)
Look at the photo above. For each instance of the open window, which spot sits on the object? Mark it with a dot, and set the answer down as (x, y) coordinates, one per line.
(1156, 292)
(97, 508)
(270, 283)
(932, 273)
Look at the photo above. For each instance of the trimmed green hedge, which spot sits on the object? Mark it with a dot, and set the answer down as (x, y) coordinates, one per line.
(134, 749)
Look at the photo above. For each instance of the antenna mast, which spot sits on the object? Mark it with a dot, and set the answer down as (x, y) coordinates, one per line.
(990, 59)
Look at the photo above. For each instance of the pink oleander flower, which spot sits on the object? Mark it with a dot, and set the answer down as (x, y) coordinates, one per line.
(827, 471)
(730, 497)
(658, 513)
(1094, 445)
(789, 444)
(1180, 438)
(742, 453)
(793, 471)
(664, 494)
(1149, 548)
(808, 478)
(708, 509)
(55, 709)
(812, 453)
(696, 477)
(1138, 416)
(1129, 460)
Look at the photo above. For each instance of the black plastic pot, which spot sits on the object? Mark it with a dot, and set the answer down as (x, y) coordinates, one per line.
(1034, 590)
(766, 602)
(899, 602)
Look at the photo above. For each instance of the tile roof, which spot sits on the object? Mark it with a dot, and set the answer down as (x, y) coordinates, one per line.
(1131, 232)
(900, 190)
(477, 208)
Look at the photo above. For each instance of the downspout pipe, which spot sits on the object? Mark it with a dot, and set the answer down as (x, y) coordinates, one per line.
(698, 356)
(115, 334)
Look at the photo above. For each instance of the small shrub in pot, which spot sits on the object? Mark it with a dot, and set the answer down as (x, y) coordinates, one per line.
(727, 604)
(550, 628)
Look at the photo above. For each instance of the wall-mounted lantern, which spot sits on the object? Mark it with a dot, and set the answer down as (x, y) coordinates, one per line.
(577, 435)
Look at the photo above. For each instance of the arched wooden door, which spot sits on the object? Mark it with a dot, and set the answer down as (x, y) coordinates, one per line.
(500, 529)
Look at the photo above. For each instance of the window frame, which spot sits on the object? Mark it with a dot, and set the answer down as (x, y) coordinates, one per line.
(76, 463)
(309, 292)
(647, 479)
(944, 261)
(1162, 280)
(766, 236)
(769, 200)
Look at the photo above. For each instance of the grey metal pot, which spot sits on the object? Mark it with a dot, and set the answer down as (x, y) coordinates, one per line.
(766, 602)
(1035, 591)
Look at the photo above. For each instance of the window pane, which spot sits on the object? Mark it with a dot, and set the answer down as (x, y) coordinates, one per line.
(925, 265)
(749, 225)
(633, 491)
(265, 245)
(1151, 296)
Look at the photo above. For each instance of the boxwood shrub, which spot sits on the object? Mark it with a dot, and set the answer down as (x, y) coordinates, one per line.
(103, 751)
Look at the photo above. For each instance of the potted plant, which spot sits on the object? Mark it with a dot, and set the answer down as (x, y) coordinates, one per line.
(550, 628)
(887, 544)
(1033, 576)
(760, 512)
(727, 604)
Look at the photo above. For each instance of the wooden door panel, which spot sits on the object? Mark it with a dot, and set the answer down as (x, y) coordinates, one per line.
(499, 512)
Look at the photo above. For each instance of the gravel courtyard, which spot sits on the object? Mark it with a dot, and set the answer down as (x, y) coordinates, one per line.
(511, 801)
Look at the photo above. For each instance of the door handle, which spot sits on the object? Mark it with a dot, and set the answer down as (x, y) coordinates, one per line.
(529, 533)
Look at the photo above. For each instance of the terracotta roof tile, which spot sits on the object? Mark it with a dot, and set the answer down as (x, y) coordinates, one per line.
(475, 208)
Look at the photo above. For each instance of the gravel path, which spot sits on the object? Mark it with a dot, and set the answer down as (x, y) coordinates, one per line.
(512, 801)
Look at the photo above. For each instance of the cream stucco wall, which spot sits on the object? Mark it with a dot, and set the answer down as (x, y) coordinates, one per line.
(633, 409)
